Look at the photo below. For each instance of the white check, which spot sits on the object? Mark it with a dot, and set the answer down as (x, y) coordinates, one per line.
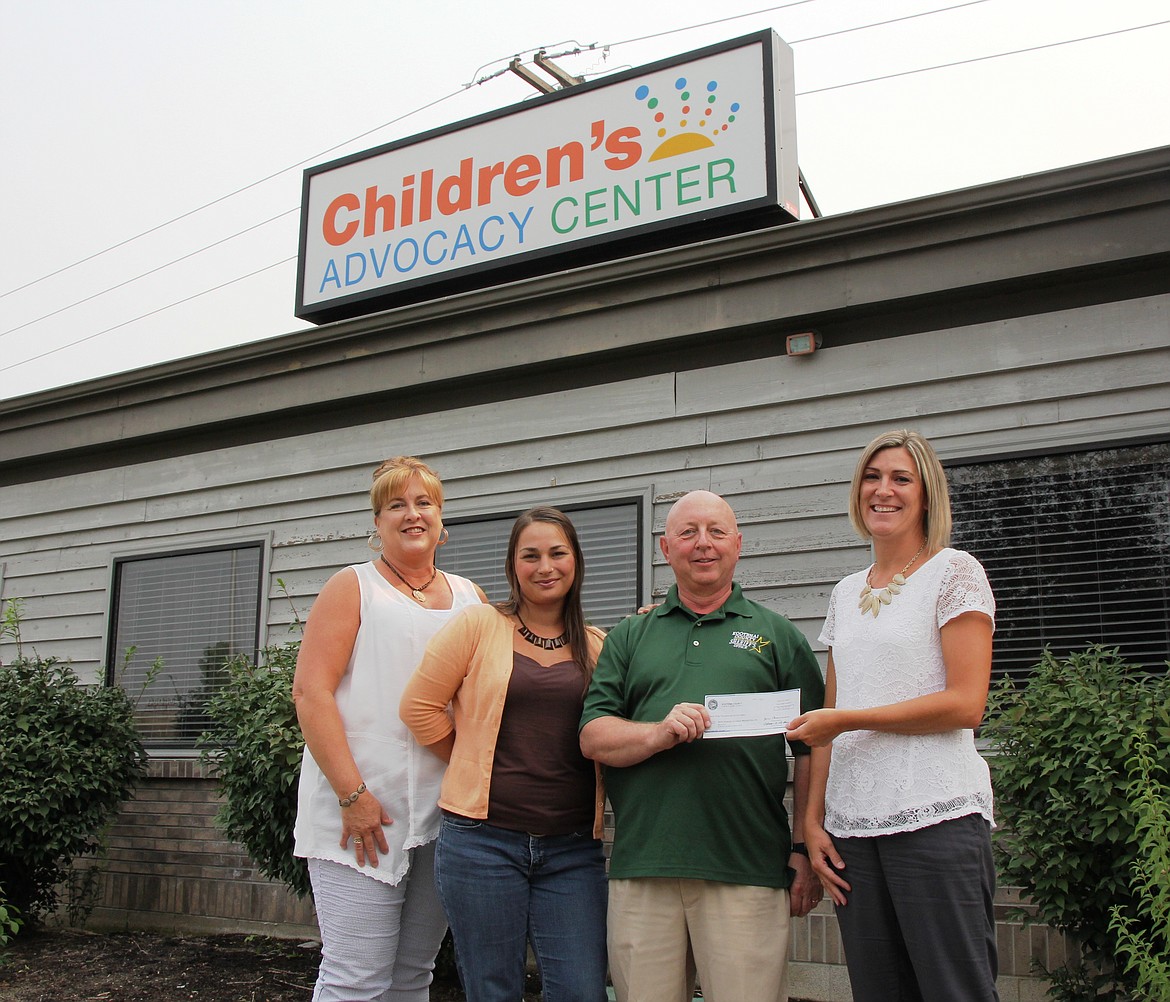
(751, 714)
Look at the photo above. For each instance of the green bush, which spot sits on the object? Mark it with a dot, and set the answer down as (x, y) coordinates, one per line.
(69, 756)
(255, 746)
(1068, 804)
(1145, 943)
(9, 921)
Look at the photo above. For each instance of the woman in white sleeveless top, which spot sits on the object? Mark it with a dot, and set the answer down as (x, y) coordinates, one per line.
(900, 808)
(367, 813)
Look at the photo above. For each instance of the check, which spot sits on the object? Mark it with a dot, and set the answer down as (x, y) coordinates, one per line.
(751, 714)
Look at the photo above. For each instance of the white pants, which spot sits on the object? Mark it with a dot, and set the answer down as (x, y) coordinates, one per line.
(378, 941)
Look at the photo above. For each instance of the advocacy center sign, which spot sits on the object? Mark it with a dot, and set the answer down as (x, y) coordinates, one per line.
(699, 144)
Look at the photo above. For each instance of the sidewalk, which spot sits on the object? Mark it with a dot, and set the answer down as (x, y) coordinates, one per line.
(610, 995)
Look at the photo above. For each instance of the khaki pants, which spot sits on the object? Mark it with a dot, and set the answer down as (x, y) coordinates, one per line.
(661, 929)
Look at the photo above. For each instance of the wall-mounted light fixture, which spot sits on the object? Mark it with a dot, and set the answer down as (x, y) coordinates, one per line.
(804, 343)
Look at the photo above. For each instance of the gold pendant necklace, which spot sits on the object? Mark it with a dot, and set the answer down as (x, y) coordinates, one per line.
(416, 592)
(872, 601)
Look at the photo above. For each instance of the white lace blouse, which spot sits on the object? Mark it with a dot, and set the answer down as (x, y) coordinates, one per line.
(884, 783)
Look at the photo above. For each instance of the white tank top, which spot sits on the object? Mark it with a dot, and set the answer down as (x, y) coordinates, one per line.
(403, 776)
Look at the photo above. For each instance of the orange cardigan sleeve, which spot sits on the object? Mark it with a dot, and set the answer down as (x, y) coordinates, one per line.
(439, 676)
(466, 665)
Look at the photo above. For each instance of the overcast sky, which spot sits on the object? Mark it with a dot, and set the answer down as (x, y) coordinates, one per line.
(153, 150)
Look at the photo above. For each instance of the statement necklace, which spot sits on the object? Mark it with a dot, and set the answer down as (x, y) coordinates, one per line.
(416, 592)
(545, 643)
(872, 601)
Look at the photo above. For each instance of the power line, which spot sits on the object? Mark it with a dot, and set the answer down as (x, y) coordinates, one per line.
(394, 121)
(580, 47)
(152, 271)
(881, 24)
(447, 97)
(805, 93)
(979, 59)
(230, 194)
(144, 316)
(722, 20)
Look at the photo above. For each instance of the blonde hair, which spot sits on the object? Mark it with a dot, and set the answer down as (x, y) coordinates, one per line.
(392, 476)
(936, 519)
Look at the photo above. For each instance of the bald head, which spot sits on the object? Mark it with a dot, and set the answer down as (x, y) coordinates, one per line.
(702, 544)
(699, 503)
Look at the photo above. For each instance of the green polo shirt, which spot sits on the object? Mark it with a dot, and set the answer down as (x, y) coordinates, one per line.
(714, 809)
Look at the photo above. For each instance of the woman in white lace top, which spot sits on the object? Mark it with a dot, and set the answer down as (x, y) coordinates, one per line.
(898, 825)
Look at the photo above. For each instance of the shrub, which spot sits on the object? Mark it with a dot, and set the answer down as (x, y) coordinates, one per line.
(1067, 800)
(255, 746)
(69, 756)
(1145, 943)
(9, 921)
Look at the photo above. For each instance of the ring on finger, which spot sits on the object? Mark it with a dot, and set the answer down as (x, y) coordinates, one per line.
(357, 840)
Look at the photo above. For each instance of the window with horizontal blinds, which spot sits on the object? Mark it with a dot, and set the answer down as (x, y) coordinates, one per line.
(176, 620)
(1077, 548)
(609, 535)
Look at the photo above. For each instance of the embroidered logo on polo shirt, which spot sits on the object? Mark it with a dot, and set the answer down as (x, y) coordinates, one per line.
(748, 642)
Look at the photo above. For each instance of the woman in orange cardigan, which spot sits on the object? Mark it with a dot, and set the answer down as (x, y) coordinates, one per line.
(519, 855)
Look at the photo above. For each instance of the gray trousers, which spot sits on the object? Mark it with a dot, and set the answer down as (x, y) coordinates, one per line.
(919, 925)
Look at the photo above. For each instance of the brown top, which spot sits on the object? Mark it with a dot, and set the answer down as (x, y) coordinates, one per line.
(460, 686)
(541, 783)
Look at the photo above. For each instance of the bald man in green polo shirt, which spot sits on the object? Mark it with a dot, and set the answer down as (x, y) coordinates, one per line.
(705, 870)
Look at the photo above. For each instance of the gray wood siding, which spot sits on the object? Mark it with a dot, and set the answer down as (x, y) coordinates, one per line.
(777, 436)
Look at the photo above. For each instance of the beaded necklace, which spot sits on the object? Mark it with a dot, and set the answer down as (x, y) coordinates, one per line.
(872, 601)
(545, 643)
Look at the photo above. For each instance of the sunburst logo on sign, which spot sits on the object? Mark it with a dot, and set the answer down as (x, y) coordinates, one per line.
(699, 119)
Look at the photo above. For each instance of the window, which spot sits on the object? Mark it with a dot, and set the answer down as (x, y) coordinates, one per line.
(609, 535)
(176, 620)
(1077, 548)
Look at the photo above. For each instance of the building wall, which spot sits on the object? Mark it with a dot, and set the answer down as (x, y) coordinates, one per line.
(167, 866)
(1039, 324)
(769, 434)
(777, 436)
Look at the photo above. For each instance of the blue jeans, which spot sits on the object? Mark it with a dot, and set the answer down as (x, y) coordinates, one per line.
(503, 889)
